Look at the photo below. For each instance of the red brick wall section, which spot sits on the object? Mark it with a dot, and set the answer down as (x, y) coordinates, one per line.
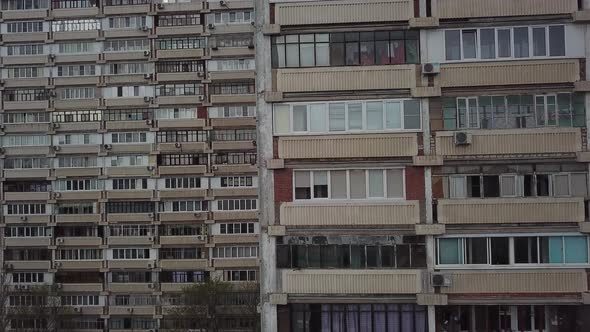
(415, 183)
(283, 185)
(437, 187)
(201, 112)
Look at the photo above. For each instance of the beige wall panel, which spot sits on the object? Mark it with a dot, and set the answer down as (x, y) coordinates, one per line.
(491, 8)
(18, 106)
(29, 265)
(351, 281)
(26, 196)
(228, 239)
(88, 80)
(129, 217)
(350, 214)
(131, 9)
(236, 192)
(181, 53)
(510, 210)
(183, 216)
(79, 265)
(78, 218)
(232, 51)
(358, 11)
(231, 263)
(90, 287)
(231, 99)
(181, 123)
(27, 242)
(76, 104)
(182, 193)
(188, 264)
(130, 287)
(27, 128)
(131, 241)
(75, 171)
(348, 146)
(235, 215)
(509, 72)
(233, 122)
(24, 14)
(182, 170)
(491, 282)
(24, 59)
(26, 173)
(346, 78)
(74, 12)
(26, 82)
(79, 241)
(183, 240)
(230, 169)
(511, 141)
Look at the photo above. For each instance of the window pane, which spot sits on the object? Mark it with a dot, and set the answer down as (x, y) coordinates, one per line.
(355, 116)
(453, 44)
(307, 55)
(375, 115)
(322, 53)
(469, 44)
(292, 55)
(338, 184)
(393, 115)
(557, 40)
(317, 117)
(504, 43)
(525, 250)
(579, 185)
(357, 184)
(561, 185)
(539, 44)
(477, 251)
(521, 42)
(302, 185)
(576, 249)
(376, 183)
(337, 117)
(300, 118)
(412, 114)
(281, 119)
(488, 43)
(395, 183)
(500, 252)
(508, 186)
(450, 251)
(320, 184)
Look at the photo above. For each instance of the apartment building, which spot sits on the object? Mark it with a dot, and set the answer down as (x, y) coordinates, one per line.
(429, 164)
(128, 154)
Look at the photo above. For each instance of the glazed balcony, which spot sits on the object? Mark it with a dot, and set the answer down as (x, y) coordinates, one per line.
(450, 9)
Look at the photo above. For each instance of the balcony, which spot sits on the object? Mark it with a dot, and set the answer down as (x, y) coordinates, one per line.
(130, 240)
(181, 123)
(27, 128)
(130, 217)
(511, 141)
(179, 100)
(235, 215)
(236, 168)
(25, 60)
(130, 9)
(233, 145)
(130, 194)
(341, 12)
(87, 80)
(81, 288)
(184, 147)
(350, 213)
(76, 171)
(346, 78)
(126, 101)
(348, 146)
(78, 195)
(234, 192)
(26, 82)
(222, 52)
(79, 265)
(522, 282)
(132, 310)
(28, 14)
(131, 287)
(131, 264)
(509, 73)
(75, 12)
(130, 170)
(27, 196)
(494, 8)
(510, 210)
(33, 218)
(76, 241)
(230, 98)
(188, 264)
(183, 193)
(186, 30)
(180, 7)
(74, 35)
(76, 104)
(351, 281)
(25, 106)
(194, 53)
(24, 37)
(29, 265)
(133, 55)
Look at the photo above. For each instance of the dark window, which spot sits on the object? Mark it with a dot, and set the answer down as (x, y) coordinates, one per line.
(182, 159)
(232, 88)
(500, 251)
(186, 66)
(179, 20)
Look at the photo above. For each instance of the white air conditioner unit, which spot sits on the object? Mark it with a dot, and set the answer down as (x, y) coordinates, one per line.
(149, 122)
(160, 6)
(56, 125)
(56, 195)
(211, 26)
(214, 168)
(430, 68)
(150, 266)
(150, 215)
(151, 238)
(56, 148)
(58, 286)
(144, 28)
(200, 74)
(2, 82)
(146, 53)
(201, 237)
(462, 138)
(222, 3)
(441, 280)
(24, 218)
(148, 76)
(150, 168)
(52, 56)
(129, 309)
(60, 240)
(201, 98)
(78, 309)
(107, 146)
(178, 145)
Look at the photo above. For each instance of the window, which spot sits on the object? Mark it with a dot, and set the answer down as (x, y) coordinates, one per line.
(24, 4)
(25, 95)
(235, 252)
(231, 64)
(182, 253)
(182, 230)
(231, 17)
(237, 228)
(513, 185)
(24, 49)
(78, 185)
(233, 135)
(26, 140)
(183, 276)
(354, 116)
(132, 230)
(77, 139)
(78, 254)
(127, 3)
(128, 68)
(182, 159)
(80, 300)
(223, 40)
(27, 255)
(182, 136)
(131, 276)
(126, 45)
(140, 114)
(28, 117)
(27, 231)
(515, 111)
(236, 181)
(183, 206)
(75, 25)
(77, 47)
(78, 231)
(232, 111)
(233, 88)
(77, 161)
(234, 158)
(237, 204)
(77, 208)
(28, 277)
(349, 184)
(77, 93)
(239, 275)
(31, 208)
(131, 253)
(182, 182)
(26, 163)
(129, 137)
(25, 72)
(185, 66)
(176, 113)
(515, 42)
(179, 89)
(67, 4)
(126, 22)
(76, 70)
(568, 249)
(127, 161)
(179, 43)
(76, 116)
(130, 207)
(24, 27)
(178, 20)
(349, 48)
(358, 317)
(129, 184)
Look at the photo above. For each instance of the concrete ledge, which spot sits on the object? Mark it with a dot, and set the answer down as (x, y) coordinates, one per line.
(582, 86)
(584, 227)
(583, 157)
(432, 299)
(430, 229)
(273, 96)
(277, 230)
(271, 29)
(424, 22)
(275, 164)
(428, 160)
(582, 16)
(278, 299)
(426, 91)
(586, 298)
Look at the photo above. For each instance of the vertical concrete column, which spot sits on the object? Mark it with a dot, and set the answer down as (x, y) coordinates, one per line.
(268, 272)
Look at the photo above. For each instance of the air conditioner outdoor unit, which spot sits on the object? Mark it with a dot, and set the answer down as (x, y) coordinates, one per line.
(149, 122)
(56, 125)
(430, 68)
(56, 148)
(108, 146)
(214, 168)
(148, 76)
(150, 215)
(56, 195)
(201, 98)
(52, 56)
(144, 28)
(441, 280)
(24, 218)
(462, 138)
(60, 240)
(178, 145)
(211, 26)
(129, 309)
(222, 3)
(146, 53)
(147, 99)
(160, 6)
(78, 309)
